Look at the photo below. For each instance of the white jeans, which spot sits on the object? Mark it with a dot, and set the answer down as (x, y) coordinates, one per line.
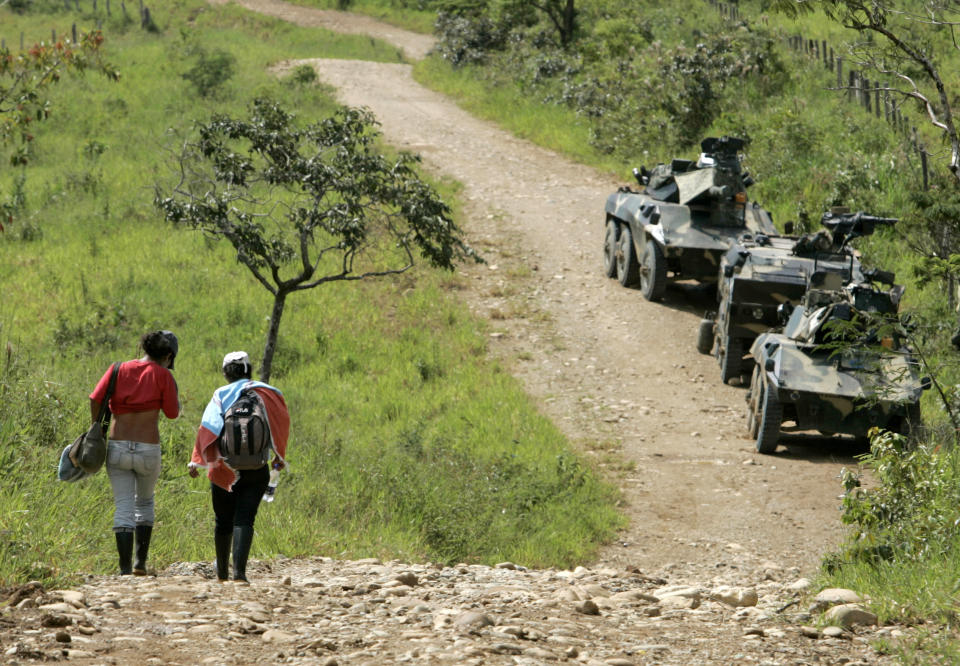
(133, 468)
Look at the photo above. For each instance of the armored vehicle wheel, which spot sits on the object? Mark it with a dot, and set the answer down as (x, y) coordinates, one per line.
(731, 363)
(771, 414)
(610, 249)
(627, 268)
(705, 336)
(753, 404)
(653, 272)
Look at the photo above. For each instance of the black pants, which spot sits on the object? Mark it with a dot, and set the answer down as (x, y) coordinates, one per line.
(239, 507)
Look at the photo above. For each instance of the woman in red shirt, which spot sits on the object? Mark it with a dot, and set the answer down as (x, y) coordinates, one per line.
(144, 388)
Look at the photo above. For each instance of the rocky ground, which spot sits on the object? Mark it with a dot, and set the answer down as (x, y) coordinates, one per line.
(323, 611)
(710, 570)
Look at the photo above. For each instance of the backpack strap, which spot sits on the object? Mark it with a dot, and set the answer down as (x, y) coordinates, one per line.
(105, 414)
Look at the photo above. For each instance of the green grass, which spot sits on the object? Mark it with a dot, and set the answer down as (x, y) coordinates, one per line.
(407, 441)
(402, 14)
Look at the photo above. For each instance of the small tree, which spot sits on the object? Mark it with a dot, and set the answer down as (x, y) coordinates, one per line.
(24, 80)
(307, 206)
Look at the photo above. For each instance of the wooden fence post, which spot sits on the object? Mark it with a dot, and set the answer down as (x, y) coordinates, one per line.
(876, 99)
(839, 72)
(866, 95)
(924, 167)
(53, 36)
(851, 86)
(73, 32)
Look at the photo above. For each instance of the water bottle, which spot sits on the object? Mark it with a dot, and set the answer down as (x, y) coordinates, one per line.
(272, 486)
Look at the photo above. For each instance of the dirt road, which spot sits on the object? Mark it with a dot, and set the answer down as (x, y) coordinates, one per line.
(612, 369)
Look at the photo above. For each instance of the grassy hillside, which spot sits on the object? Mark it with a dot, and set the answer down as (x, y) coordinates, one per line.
(407, 441)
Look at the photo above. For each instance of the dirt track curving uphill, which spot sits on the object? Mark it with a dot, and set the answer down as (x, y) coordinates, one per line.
(608, 366)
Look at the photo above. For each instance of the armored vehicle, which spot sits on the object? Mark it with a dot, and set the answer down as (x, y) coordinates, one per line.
(760, 272)
(840, 365)
(686, 216)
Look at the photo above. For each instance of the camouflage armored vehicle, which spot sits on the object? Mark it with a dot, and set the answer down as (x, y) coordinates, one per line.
(840, 365)
(686, 216)
(761, 272)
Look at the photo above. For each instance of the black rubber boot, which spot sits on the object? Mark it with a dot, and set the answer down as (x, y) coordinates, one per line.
(223, 543)
(242, 540)
(143, 545)
(125, 550)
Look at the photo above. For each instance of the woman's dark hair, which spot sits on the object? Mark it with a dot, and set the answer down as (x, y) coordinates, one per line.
(235, 371)
(159, 343)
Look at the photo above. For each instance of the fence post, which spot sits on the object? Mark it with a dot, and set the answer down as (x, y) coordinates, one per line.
(876, 99)
(21, 40)
(108, 7)
(823, 52)
(923, 166)
(866, 95)
(839, 72)
(73, 32)
(886, 101)
(851, 86)
(76, 4)
(94, 6)
(53, 36)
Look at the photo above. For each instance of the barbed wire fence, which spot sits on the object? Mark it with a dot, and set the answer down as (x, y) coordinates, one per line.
(872, 95)
(143, 12)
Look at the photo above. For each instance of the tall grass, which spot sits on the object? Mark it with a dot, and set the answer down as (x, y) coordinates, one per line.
(407, 441)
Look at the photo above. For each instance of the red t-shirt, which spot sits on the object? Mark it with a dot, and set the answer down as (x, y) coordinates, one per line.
(141, 386)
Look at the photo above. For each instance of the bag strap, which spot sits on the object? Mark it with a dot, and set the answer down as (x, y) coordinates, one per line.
(105, 414)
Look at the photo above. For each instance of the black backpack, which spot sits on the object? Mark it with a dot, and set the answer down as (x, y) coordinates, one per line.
(245, 441)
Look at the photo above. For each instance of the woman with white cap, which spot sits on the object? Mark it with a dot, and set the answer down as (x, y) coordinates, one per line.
(144, 388)
(237, 482)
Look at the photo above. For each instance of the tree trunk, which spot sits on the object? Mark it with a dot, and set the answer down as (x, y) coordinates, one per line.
(569, 23)
(279, 299)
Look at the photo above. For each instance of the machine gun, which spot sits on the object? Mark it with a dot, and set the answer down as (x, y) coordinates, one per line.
(845, 226)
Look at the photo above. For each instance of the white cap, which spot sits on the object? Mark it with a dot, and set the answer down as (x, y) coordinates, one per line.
(237, 357)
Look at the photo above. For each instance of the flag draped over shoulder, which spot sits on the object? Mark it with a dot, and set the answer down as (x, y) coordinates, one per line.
(206, 453)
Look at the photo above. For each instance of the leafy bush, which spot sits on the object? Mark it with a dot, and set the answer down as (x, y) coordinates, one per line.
(912, 510)
(210, 70)
(464, 40)
(303, 75)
